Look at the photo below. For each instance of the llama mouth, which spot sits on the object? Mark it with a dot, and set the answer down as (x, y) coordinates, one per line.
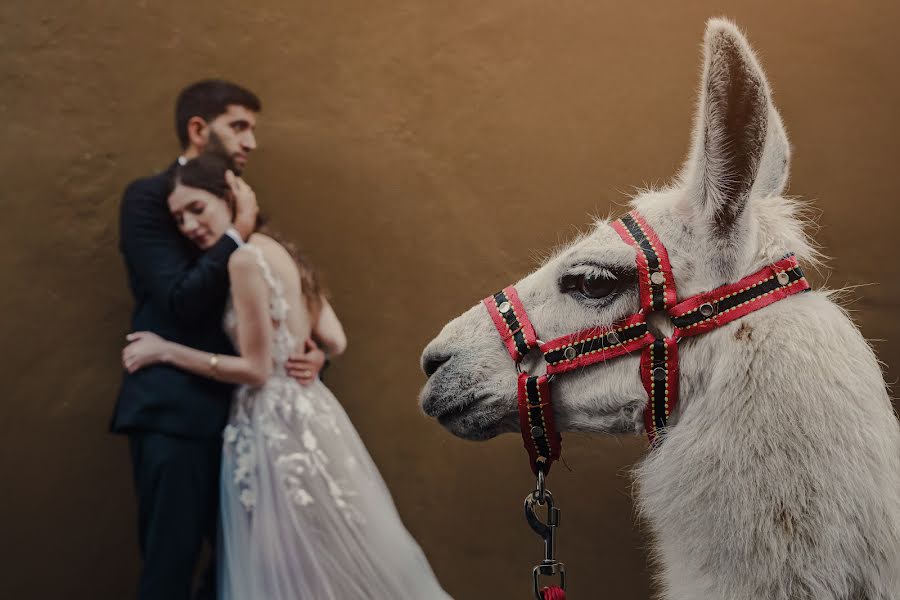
(471, 425)
(438, 406)
(470, 417)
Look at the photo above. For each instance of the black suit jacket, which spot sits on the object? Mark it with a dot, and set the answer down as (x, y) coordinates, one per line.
(179, 294)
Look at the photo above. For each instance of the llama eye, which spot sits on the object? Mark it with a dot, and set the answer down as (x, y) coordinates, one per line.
(589, 285)
(600, 283)
(596, 287)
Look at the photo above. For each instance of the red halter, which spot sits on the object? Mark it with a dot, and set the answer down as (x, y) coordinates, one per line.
(659, 357)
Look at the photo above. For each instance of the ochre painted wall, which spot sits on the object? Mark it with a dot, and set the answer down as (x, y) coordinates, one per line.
(424, 154)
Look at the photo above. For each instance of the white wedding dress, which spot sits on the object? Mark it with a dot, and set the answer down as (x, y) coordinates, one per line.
(305, 514)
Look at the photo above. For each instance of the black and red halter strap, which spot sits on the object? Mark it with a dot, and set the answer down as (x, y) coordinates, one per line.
(542, 440)
(659, 357)
(657, 284)
(512, 322)
(659, 373)
(598, 344)
(722, 305)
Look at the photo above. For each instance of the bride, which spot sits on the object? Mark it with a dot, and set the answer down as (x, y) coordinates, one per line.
(305, 513)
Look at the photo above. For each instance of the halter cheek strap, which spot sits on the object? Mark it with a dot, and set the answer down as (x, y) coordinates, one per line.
(659, 358)
(657, 284)
(659, 374)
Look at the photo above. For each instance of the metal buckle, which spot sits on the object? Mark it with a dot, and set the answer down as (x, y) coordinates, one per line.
(556, 568)
(549, 566)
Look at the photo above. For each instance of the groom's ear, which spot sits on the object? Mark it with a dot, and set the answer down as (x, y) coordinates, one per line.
(197, 131)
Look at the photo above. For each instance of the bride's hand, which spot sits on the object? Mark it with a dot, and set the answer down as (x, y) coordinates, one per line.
(144, 350)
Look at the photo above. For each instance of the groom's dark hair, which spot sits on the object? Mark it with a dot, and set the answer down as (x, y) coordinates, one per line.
(208, 99)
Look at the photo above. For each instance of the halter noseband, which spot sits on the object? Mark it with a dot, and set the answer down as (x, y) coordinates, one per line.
(659, 356)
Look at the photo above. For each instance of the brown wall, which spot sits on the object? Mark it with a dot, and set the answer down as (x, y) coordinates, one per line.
(423, 153)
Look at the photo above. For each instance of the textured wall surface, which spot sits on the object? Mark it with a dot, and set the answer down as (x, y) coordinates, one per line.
(423, 154)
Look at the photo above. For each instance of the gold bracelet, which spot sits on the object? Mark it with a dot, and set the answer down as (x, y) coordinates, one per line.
(214, 363)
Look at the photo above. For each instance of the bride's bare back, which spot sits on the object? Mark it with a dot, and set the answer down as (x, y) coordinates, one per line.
(325, 329)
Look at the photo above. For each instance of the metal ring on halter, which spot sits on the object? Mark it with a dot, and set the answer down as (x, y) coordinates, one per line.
(538, 344)
(550, 377)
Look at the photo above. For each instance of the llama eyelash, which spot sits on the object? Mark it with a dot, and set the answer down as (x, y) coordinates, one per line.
(591, 270)
(623, 276)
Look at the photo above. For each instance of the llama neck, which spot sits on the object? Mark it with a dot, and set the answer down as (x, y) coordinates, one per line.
(799, 363)
(784, 437)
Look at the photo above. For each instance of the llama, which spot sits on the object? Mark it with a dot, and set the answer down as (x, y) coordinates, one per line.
(778, 476)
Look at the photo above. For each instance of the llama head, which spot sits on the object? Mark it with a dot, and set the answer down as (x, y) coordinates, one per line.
(722, 218)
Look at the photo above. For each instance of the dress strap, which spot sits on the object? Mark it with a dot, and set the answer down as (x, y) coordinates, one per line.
(278, 305)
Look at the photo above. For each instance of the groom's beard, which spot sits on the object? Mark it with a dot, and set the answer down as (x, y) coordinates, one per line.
(215, 146)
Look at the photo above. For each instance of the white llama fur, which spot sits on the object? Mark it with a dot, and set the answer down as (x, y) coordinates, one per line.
(779, 477)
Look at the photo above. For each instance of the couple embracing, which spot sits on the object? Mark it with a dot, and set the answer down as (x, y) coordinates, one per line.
(234, 438)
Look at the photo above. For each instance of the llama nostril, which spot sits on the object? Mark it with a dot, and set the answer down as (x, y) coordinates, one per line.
(431, 364)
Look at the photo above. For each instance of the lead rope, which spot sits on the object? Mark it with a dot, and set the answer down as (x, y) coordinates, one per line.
(553, 593)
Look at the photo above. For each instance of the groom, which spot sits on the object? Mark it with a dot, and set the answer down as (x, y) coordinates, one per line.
(174, 419)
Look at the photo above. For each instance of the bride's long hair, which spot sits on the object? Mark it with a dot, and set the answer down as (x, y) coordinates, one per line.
(207, 172)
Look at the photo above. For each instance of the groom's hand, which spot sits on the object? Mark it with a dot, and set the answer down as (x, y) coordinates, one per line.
(304, 366)
(144, 349)
(246, 209)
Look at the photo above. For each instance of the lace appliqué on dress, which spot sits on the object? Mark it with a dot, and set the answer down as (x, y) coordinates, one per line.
(238, 438)
(283, 415)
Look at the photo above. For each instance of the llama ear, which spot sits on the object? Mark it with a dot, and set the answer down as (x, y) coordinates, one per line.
(739, 148)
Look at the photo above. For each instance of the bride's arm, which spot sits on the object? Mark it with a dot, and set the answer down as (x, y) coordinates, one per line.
(250, 295)
(329, 332)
